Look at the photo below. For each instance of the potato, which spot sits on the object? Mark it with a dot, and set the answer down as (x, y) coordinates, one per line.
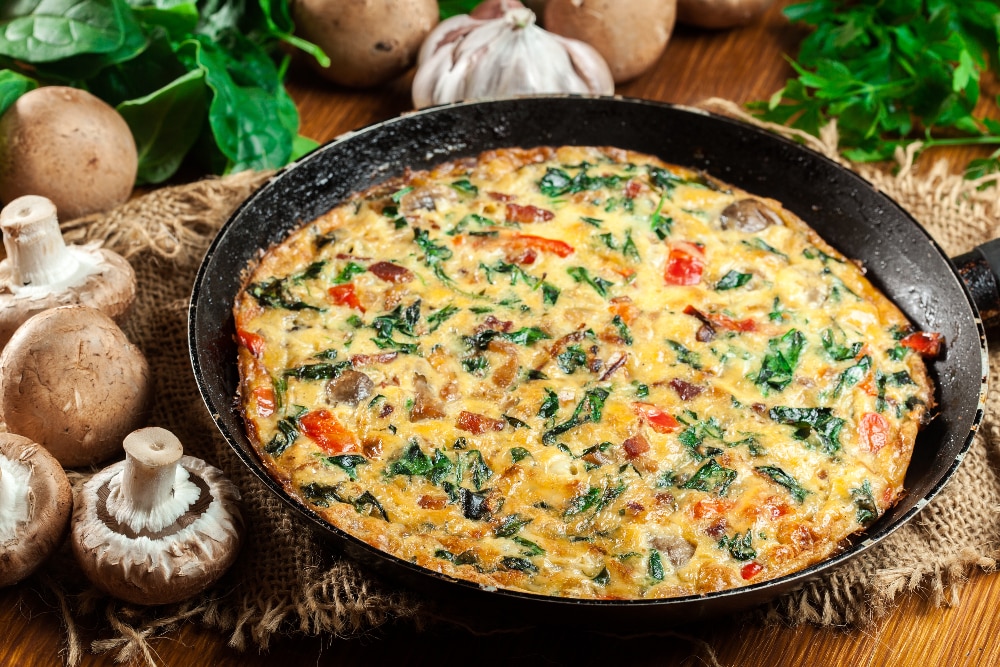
(720, 13)
(629, 35)
(68, 146)
(369, 42)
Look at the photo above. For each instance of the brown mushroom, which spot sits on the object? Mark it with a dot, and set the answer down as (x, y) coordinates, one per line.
(748, 215)
(35, 503)
(678, 550)
(425, 406)
(70, 146)
(71, 381)
(158, 527)
(42, 272)
(350, 387)
(630, 36)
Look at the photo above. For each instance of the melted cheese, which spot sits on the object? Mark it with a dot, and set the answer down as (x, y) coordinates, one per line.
(578, 372)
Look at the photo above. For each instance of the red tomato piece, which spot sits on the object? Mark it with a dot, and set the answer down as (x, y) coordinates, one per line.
(684, 264)
(478, 424)
(541, 243)
(874, 431)
(323, 428)
(391, 273)
(632, 189)
(500, 196)
(751, 570)
(659, 420)
(528, 213)
(264, 399)
(251, 341)
(344, 295)
(928, 344)
(522, 256)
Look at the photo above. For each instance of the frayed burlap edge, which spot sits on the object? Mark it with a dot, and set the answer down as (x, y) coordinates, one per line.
(172, 227)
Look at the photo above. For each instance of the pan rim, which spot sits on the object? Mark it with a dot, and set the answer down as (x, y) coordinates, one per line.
(785, 583)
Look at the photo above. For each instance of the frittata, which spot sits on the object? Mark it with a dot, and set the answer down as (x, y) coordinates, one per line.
(579, 372)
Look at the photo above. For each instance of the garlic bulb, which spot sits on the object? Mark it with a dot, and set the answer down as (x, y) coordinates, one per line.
(504, 54)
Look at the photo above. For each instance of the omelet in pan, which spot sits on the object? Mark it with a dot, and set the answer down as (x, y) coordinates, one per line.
(579, 372)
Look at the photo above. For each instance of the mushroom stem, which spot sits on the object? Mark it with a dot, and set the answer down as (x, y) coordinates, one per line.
(154, 491)
(31, 236)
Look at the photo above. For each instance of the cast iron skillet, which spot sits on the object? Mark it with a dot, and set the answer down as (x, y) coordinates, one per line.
(901, 258)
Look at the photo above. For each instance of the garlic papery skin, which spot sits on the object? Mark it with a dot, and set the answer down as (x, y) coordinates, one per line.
(465, 58)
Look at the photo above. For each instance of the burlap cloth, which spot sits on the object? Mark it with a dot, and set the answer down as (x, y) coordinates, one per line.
(286, 582)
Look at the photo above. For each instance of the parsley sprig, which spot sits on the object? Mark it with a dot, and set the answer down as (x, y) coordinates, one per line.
(891, 72)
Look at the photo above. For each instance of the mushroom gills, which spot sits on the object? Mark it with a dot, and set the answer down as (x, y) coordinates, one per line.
(159, 526)
(184, 500)
(35, 505)
(15, 510)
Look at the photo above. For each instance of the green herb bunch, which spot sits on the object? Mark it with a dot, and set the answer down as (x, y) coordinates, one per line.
(450, 8)
(892, 71)
(192, 78)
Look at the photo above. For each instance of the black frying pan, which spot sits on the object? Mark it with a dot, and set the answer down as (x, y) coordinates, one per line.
(901, 258)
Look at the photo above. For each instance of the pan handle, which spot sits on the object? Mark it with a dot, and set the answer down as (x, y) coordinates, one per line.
(980, 269)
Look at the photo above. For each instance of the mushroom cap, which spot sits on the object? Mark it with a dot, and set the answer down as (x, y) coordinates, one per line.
(70, 146)
(72, 381)
(111, 289)
(103, 278)
(37, 495)
(168, 565)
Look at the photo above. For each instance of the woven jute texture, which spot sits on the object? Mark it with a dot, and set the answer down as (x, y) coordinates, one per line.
(287, 582)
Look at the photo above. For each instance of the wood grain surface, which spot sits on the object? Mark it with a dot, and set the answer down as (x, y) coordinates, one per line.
(742, 64)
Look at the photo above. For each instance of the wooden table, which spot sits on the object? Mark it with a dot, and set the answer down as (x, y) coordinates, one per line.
(742, 65)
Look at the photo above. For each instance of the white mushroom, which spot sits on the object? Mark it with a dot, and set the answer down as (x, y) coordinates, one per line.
(35, 504)
(158, 527)
(71, 381)
(42, 272)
